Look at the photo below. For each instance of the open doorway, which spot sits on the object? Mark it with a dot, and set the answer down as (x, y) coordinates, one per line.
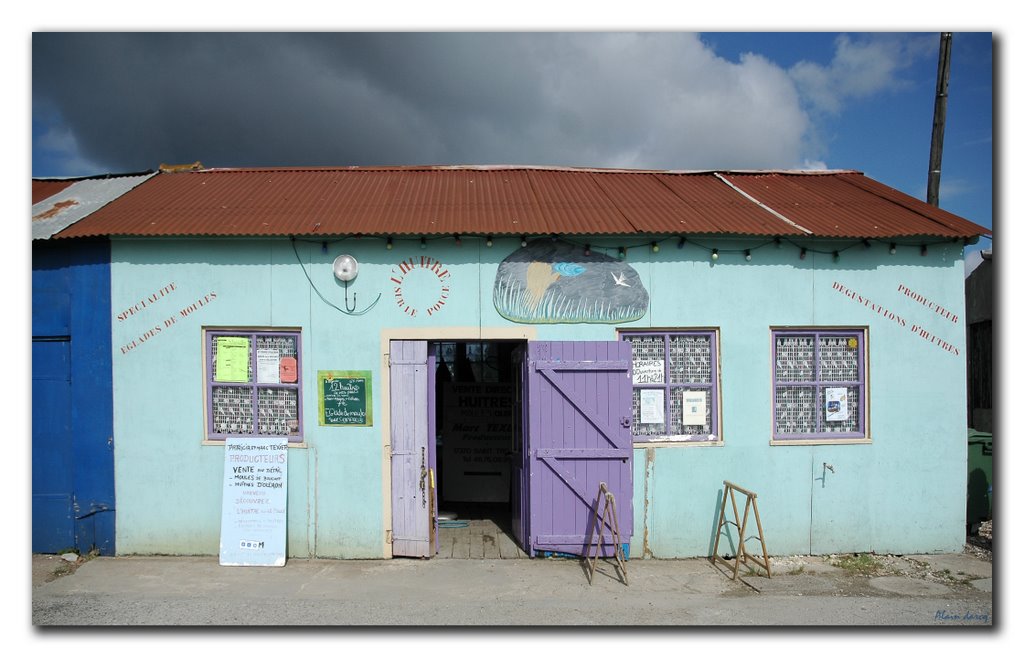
(571, 410)
(475, 393)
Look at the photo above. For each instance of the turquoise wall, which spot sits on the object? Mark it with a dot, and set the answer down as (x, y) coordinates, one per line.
(903, 492)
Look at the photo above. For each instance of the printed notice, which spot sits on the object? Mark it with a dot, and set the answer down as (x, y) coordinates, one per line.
(649, 371)
(268, 366)
(254, 508)
(652, 407)
(289, 369)
(232, 359)
(695, 407)
(836, 408)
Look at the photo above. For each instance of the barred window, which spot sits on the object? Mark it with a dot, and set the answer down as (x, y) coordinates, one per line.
(253, 384)
(819, 384)
(675, 385)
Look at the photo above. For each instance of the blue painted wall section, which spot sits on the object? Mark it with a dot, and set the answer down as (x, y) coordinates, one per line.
(73, 476)
(903, 490)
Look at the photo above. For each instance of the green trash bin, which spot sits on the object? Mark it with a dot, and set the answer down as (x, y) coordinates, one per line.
(979, 477)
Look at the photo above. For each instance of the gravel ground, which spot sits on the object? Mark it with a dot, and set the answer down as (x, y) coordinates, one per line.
(47, 568)
(839, 590)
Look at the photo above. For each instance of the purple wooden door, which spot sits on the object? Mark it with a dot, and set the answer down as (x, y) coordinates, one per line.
(410, 461)
(579, 410)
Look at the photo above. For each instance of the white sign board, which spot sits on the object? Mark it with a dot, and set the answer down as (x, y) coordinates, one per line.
(268, 366)
(652, 406)
(254, 509)
(648, 371)
(695, 407)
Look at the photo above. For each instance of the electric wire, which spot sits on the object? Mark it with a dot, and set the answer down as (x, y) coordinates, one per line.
(325, 300)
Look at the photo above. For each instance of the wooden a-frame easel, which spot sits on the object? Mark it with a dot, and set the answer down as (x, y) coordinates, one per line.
(742, 556)
(599, 521)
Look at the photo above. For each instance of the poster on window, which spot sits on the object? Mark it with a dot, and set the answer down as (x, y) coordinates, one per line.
(268, 366)
(836, 408)
(232, 364)
(695, 407)
(652, 406)
(289, 370)
(254, 508)
(648, 371)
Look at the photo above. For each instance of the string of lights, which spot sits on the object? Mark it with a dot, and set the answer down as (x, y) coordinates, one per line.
(682, 242)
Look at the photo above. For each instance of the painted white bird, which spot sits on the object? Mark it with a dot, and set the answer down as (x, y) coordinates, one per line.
(620, 280)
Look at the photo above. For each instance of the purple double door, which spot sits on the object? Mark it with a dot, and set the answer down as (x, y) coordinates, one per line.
(573, 414)
(575, 430)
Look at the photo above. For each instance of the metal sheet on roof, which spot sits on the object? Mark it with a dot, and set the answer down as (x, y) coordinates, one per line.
(76, 201)
(721, 209)
(836, 206)
(516, 200)
(46, 187)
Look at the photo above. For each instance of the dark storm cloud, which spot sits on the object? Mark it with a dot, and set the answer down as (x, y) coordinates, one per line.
(268, 99)
(127, 101)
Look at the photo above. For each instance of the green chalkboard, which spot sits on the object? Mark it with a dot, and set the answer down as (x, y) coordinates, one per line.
(345, 398)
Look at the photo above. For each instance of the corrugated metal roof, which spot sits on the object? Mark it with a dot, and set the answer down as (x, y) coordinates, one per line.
(46, 187)
(74, 200)
(719, 208)
(517, 200)
(848, 205)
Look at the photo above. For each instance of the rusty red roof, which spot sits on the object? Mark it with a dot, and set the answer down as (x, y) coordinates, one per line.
(43, 188)
(517, 200)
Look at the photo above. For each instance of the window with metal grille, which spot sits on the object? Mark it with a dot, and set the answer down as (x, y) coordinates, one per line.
(675, 385)
(979, 366)
(253, 383)
(819, 384)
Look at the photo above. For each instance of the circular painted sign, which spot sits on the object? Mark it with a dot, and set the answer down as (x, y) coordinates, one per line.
(421, 285)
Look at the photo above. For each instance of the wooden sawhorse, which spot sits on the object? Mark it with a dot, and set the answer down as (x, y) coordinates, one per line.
(741, 525)
(599, 521)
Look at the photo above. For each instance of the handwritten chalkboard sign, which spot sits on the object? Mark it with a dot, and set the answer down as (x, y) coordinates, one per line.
(345, 397)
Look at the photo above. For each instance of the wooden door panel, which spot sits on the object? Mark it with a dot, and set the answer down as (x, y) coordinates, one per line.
(410, 516)
(579, 436)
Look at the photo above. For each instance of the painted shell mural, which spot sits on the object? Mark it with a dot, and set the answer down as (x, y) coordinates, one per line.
(550, 281)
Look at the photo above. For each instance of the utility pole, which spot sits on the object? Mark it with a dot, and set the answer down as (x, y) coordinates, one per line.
(939, 119)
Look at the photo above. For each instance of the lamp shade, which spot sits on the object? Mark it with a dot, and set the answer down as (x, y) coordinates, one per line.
(345, 267)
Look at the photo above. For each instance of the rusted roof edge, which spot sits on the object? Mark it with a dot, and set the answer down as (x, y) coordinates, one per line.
(518, 167)
(897, 199)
